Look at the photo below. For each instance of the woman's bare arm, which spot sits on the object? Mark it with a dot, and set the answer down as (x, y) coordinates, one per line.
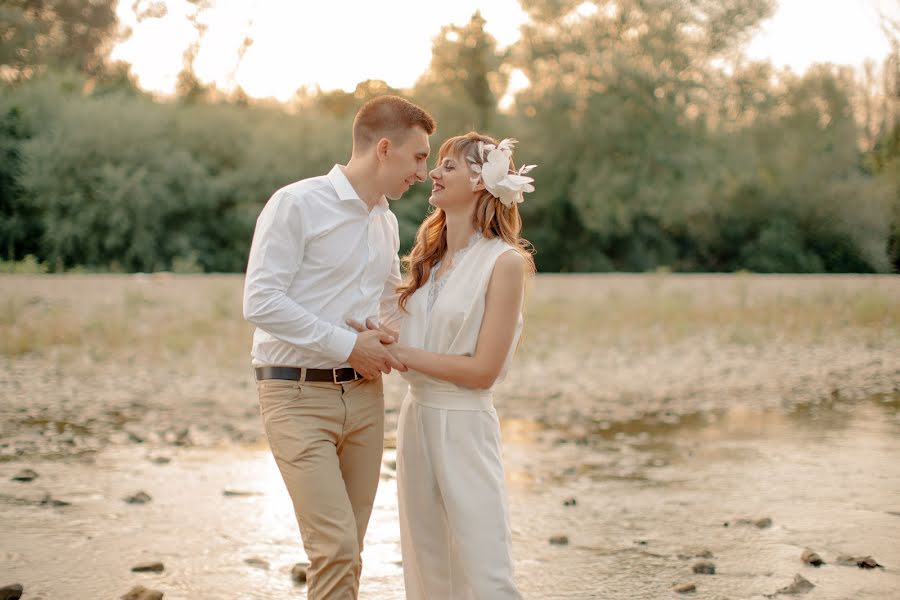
(503, 304)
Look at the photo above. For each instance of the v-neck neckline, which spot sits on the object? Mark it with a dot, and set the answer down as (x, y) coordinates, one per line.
(455, 260)
(445, 278)
(473, 240)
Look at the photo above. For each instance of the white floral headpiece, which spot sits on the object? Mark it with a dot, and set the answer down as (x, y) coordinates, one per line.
(493, 170)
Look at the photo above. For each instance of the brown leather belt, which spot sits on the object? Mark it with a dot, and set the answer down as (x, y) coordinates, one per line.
(336, 376)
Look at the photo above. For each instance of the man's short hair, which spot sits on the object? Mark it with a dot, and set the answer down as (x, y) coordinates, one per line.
(388, 116)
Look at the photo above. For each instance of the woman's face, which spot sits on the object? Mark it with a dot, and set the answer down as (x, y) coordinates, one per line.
(452, 188)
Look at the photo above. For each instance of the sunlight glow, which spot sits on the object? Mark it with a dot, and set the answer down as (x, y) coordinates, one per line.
(332, 45)
(517, 81)
(337, 44)
(803, 32)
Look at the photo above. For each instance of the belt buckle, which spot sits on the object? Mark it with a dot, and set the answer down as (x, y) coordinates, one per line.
(335, 379)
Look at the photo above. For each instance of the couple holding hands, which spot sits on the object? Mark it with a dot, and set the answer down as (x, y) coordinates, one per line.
(333, 312)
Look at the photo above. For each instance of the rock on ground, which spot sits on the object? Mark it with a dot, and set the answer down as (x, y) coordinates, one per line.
(11, 592)
(812, 558)
(139, 592)
(800, 585)
(704, 567)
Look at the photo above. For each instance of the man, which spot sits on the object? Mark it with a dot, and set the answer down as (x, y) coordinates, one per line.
(324, 251)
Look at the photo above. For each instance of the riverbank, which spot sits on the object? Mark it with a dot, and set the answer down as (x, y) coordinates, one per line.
(649, 423)
(87, 361)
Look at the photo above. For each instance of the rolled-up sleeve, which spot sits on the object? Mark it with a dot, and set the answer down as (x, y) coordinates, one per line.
(275, 256)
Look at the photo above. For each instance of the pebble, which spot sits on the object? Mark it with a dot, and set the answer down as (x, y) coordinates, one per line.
(180, 437)
(685, 588)
(704, 567)
(11, 592)
(25, 475)
(762, 523)
(257, 562)
(559, 540)
(148, 567)
(236, 493)
(140, 497)
(48, 500)
(811, 557)
(863, 562)
(867, 562)
(799, 585)
(570, 502)
(298, 572)
(139, 592)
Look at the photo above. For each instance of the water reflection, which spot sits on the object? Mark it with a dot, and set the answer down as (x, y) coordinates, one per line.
(648, 493)
(662, 434)
(652, 491)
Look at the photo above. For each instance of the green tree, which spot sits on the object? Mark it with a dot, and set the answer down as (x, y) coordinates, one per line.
(464, 80)
(345, 104)
(61, 33)
(884, 157)
(18, 221)
(619, 106)
(657, 156)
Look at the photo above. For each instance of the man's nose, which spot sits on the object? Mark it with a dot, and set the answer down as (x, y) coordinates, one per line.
(422, 173)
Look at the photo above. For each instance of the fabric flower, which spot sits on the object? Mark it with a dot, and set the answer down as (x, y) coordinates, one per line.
(508, 187)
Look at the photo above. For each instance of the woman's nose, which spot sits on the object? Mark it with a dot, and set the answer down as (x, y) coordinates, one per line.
(434, 173)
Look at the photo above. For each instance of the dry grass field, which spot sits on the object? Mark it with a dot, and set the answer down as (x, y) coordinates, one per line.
(86, 358)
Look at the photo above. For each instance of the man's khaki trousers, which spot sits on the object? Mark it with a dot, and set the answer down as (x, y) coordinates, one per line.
(327, 440)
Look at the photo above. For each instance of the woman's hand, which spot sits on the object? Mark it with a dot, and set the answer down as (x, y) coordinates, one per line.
(395, 348)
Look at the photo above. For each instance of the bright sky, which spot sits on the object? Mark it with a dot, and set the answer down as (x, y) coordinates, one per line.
(338, 43)
(803, 32)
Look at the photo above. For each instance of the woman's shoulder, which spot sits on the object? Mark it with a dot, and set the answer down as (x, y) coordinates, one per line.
(497, 250)
(509, 263)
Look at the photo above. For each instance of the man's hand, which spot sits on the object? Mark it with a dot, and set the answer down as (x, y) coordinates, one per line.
(369, 355)
(373, 326)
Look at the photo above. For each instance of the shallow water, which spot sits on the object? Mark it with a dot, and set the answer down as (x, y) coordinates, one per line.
(650, 496)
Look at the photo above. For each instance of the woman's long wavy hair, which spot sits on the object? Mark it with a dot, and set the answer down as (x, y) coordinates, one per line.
(491, 218)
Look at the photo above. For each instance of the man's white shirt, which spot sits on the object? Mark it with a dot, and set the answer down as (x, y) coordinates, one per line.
(319, 257)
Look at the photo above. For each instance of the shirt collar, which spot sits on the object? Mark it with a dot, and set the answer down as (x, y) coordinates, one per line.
(345, 191)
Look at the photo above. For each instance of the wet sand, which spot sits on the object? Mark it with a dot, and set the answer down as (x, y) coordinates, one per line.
(691, 402)
(649, 501)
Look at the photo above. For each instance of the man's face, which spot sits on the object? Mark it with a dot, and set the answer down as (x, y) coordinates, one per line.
(405, 163)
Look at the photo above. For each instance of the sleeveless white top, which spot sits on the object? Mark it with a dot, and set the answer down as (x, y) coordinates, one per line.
(454, 321)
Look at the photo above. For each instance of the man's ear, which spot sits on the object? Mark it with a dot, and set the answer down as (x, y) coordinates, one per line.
(382, 148)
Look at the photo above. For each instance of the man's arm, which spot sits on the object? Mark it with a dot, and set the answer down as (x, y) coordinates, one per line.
(275, 256)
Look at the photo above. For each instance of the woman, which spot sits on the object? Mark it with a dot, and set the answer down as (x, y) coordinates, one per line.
(463, 317)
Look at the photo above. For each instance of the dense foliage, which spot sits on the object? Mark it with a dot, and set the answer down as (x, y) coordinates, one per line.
(658, 145)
